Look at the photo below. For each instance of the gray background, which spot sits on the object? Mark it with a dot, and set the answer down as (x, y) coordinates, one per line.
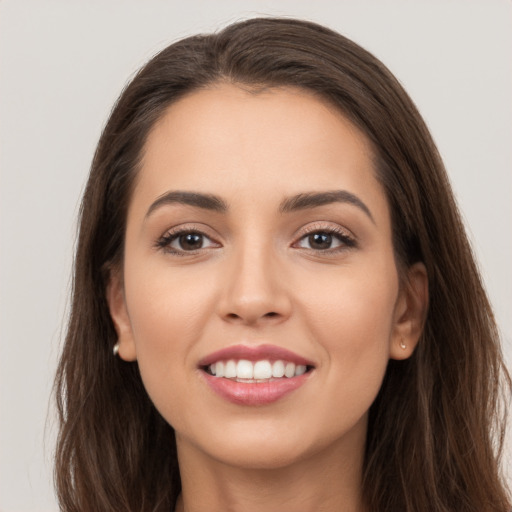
(62, 65)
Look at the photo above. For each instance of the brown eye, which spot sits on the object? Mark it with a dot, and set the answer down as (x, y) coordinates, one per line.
(189, 241)
(325, 240)
(181, 242)
(320, 241)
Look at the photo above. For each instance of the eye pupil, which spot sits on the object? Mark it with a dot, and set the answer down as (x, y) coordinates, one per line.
(191, 241)
(320, 240)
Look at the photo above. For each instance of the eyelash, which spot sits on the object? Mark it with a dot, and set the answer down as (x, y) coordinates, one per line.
(164, 242)
(347, 241)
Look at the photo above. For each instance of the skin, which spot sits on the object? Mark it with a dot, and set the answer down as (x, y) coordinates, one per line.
(257, 279)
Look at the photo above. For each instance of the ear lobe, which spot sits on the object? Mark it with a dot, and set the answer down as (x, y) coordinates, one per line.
(410, 312)
(119, 314)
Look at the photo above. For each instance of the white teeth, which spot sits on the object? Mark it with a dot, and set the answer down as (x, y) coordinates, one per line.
(278, 369)
(300, 369)
(289, 370)
(257, 371)
(230, 369)
(262, 370)
(219, 369)
(244, 370)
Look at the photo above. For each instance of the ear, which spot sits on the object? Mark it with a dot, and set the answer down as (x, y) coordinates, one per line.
(119, 314)
(410, 312)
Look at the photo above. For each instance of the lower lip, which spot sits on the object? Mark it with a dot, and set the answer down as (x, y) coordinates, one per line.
(263, 393)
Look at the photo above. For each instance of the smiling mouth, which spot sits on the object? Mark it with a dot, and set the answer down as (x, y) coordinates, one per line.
(260, 371)
(255, 375)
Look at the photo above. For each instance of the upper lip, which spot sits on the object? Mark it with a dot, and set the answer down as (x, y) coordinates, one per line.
(254, 353)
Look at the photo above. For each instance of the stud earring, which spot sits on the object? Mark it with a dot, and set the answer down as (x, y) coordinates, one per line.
(403, 346)
(115, 350)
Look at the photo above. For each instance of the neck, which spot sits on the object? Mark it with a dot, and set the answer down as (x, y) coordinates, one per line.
(329, 480)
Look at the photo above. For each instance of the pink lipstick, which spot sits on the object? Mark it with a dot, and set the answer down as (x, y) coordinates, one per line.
(255, 375)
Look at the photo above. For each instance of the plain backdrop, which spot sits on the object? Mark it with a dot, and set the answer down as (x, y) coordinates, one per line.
(62, 65)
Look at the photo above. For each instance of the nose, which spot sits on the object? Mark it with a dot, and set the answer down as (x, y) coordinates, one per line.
(254, 289)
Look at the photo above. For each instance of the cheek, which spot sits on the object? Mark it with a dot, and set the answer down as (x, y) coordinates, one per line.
(352, 320)
(168, 313)
(165, 302)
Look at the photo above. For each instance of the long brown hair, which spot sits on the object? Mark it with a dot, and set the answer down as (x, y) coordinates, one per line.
(435, 429)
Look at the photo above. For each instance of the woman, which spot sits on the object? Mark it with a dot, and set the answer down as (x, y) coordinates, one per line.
(275, 305)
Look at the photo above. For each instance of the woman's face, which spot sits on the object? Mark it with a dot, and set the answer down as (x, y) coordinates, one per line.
(257, 232)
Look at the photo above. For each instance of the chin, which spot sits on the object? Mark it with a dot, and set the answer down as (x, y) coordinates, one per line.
(262, 455)
(261, 445)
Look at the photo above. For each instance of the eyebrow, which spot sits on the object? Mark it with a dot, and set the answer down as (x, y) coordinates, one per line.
(315, 199)
(295, 203)
(205, 201)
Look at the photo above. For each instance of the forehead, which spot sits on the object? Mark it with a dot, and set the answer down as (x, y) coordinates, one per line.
(222, 115)
(233, 141)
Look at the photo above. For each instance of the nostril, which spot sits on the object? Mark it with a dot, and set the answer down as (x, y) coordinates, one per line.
(251, 317)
